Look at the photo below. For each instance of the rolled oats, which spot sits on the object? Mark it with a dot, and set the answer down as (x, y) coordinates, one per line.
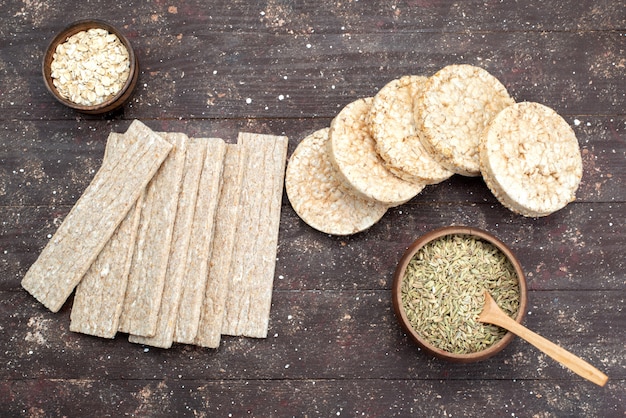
(90, 67)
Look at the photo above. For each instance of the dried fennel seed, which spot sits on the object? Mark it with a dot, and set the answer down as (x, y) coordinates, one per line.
(90, 67)
(443, 292)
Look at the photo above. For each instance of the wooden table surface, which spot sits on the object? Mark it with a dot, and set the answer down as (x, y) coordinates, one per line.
(334, 347)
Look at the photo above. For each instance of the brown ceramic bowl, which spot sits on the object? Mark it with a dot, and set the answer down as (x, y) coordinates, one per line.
(111, 103)
(414, 334)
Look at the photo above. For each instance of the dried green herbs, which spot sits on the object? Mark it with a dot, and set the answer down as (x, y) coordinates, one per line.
(443, 292)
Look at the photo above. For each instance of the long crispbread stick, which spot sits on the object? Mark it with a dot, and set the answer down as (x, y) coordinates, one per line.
(224, 237)
(100, 293)
(249, 298)
(95, 217)
(146, 278)
(177, 262)
(200, 245)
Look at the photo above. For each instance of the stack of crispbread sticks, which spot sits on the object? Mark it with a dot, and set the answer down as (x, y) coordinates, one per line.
(174, 240)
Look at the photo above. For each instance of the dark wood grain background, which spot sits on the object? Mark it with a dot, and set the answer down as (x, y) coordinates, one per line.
(335, 349)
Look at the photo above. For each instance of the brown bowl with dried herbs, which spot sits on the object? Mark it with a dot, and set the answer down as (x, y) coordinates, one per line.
(90, 66)
(438, 292)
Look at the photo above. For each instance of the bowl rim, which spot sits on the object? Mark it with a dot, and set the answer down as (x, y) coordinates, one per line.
(110, 104)
(413, 248)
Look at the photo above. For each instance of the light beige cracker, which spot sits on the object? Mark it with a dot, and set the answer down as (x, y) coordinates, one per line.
(95, 217)
(458, 103)
(531, 160)
(177, 261)
(249, 298)
(352, 152)
(199, 253)
(319, 198)
(392, 125)
(224, 238)
(146, 278)
(100, 293)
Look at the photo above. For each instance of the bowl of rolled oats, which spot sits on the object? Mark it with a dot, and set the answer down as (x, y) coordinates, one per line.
(90, 66)
(439, 287)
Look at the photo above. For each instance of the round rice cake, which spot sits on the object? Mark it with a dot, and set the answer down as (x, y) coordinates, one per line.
(530, 159)
(392, 126)
(319, 198)
(352, 152)
(458, 103)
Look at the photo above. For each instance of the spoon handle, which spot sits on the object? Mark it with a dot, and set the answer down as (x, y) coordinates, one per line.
(574, 363)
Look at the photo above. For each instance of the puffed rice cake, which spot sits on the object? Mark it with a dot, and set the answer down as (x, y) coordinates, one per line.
(352, 152)
(530, 159)
(392, 126)
(319, 198)
(458, 103)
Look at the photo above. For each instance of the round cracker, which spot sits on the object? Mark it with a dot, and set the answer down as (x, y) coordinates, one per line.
(319, 198)
(353, 153)
(397, 140)
(531, 160)
(458, 103)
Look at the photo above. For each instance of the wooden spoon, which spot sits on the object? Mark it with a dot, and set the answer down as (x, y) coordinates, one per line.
(492, 314)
